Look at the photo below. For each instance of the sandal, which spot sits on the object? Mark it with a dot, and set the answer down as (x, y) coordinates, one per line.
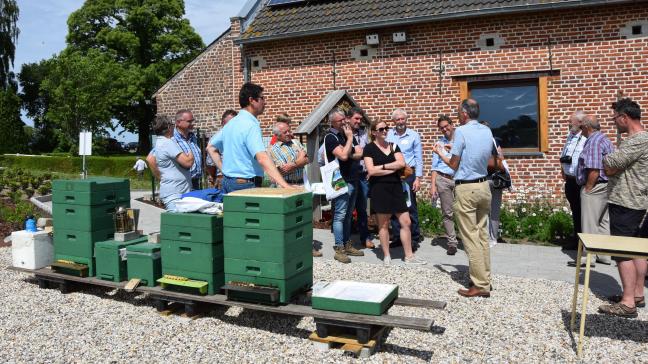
(639, 301)
(618, 309)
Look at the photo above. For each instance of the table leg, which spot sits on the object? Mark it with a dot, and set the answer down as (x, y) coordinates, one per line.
(584, 309)
(575, 298)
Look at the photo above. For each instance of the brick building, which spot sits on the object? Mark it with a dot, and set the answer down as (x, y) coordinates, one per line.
(529, 63)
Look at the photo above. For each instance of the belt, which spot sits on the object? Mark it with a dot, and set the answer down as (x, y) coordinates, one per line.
(444, 175)
(240, 180)
(478, 180)
(598, 182)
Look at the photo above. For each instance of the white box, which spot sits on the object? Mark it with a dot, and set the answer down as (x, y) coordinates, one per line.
(31, 250)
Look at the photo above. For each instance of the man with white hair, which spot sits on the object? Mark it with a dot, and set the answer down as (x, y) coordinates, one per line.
(409, 142)
(568, 163)
(288, 155)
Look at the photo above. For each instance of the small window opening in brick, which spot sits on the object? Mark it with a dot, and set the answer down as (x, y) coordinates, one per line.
(636, 30)
(490, 42)
(255, 63)
(364, 53)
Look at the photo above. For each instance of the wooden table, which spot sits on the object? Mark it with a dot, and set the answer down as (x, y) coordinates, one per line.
(614, 246)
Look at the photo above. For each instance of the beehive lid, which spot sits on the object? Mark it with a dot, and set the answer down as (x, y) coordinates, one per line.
(354, 291)
(269, 192)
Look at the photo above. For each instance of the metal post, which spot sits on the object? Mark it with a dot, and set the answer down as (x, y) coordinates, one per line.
(152, 175)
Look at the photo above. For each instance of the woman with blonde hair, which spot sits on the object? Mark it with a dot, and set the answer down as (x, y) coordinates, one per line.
(384, 160)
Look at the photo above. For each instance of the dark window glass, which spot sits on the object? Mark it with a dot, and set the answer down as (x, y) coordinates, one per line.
(511, 110)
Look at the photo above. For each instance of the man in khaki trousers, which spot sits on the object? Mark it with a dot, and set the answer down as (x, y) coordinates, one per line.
(471, 155)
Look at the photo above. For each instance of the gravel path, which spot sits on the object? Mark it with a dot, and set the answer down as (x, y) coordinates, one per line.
(524, 321)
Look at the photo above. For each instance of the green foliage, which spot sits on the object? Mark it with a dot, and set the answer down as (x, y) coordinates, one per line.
(149, 40)
(8, 36)
(17, 214)
(430, 219)
(537, 221)
(97, 166)
(12, 132)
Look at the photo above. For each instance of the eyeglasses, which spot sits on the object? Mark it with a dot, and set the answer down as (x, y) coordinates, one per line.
(190, 121)
(616, 116)
(382, 130)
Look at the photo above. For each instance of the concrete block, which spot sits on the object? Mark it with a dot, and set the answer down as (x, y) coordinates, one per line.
(126, 236)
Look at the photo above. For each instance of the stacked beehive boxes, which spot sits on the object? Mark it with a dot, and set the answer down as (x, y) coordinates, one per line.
(192, 247)
(268, 236)
(82, 212)
(110, 258)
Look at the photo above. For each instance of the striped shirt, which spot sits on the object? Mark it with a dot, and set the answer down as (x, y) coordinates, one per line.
(190, 144)
(595, 149)
(284, 153)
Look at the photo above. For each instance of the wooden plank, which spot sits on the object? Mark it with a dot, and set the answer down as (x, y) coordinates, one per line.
(463, 90)
(543, 99)
(418, 302)
(132, 284)
(414, 323)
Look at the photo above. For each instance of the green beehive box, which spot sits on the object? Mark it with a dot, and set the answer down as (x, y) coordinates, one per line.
(143, 262)
(79, 243)
(191, 220)
(87, 260)
(192, 234)
(215, 280)
(288, 288)
(95, 198)
(354, 297)
(110, 258)
(91, 184)
(267, 200)
(83, 218)
(269, 269)
(268, 245)
(195, 257)
(267, 221)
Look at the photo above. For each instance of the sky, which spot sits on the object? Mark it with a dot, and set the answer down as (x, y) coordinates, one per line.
(43, 28)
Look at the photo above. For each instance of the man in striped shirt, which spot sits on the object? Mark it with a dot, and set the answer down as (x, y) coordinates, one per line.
(186, 139)
(287, 154)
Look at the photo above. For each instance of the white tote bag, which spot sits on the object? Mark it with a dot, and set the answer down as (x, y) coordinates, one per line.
(334, 184)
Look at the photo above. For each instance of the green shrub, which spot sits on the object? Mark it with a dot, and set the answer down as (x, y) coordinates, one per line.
(18, 214)
(537, 221)
(97, 166)
(430, 219)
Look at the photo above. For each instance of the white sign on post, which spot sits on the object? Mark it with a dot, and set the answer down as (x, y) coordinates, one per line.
(85, 148)
(85, 143)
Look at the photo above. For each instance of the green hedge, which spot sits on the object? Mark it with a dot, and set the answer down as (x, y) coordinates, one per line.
(97, 166)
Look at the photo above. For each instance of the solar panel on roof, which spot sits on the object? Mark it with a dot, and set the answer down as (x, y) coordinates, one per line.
(284, 2)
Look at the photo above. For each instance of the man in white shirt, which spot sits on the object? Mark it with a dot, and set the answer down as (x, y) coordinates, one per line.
(139, 167)
(568, 163)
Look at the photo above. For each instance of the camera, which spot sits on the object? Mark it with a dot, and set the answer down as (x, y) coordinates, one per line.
(566, 159)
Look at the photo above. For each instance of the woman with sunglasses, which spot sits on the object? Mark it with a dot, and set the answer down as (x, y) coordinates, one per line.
(383, 161)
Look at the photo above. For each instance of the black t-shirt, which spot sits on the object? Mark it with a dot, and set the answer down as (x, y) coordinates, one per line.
(379, 158)
(348, 168)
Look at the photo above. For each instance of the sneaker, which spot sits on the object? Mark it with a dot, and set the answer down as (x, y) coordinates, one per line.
(341, 256)
(387, 260)
(350, 250)
(414, 260)
(492, 243)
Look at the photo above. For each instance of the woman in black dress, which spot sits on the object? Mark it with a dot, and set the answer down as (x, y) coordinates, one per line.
(383, 161)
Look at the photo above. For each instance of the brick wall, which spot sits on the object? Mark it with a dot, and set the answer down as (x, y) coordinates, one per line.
(593, 60)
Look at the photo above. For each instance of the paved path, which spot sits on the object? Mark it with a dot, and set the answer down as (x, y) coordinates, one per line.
(526, 261)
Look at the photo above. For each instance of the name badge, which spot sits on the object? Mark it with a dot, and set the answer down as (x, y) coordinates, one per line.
(404, 142)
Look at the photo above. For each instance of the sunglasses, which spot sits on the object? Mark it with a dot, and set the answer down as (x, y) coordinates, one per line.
(381, 130)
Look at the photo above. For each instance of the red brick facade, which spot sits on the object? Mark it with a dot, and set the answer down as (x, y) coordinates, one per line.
(594, 63)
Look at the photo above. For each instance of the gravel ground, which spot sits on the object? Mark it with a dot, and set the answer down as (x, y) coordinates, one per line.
(524, 321)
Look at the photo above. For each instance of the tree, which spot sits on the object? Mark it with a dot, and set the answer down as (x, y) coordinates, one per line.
(148, 38)
(35, 102)
(83, 92)
(8, 36)
(12, 131)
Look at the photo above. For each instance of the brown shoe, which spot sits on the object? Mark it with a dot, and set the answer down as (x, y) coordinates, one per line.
(341, 256)
(316, 253)
(618, 309)
(369, 245)
(452, 250)
(639, 301)
(473, 292)
(350, 250)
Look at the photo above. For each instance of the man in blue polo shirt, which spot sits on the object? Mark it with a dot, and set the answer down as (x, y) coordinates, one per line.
(472, 155)
(409, 142)
(244, 155)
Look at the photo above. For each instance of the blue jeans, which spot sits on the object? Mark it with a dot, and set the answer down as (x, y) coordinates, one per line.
(361, 207)
(348, 218)
(413, 211)
(230, 185)
(340, 204)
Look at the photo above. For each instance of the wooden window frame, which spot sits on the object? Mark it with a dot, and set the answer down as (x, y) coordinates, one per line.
(543, 106)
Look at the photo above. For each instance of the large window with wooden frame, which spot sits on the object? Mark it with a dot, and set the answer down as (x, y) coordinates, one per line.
(515, 109)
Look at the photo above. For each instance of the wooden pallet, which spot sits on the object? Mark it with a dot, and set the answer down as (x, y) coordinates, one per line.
(349, 343)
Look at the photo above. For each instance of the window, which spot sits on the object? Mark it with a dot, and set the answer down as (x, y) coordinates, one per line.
(512, 110)
(515, 105)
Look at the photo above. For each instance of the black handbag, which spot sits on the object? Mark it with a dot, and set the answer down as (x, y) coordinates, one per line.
(501, 180)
